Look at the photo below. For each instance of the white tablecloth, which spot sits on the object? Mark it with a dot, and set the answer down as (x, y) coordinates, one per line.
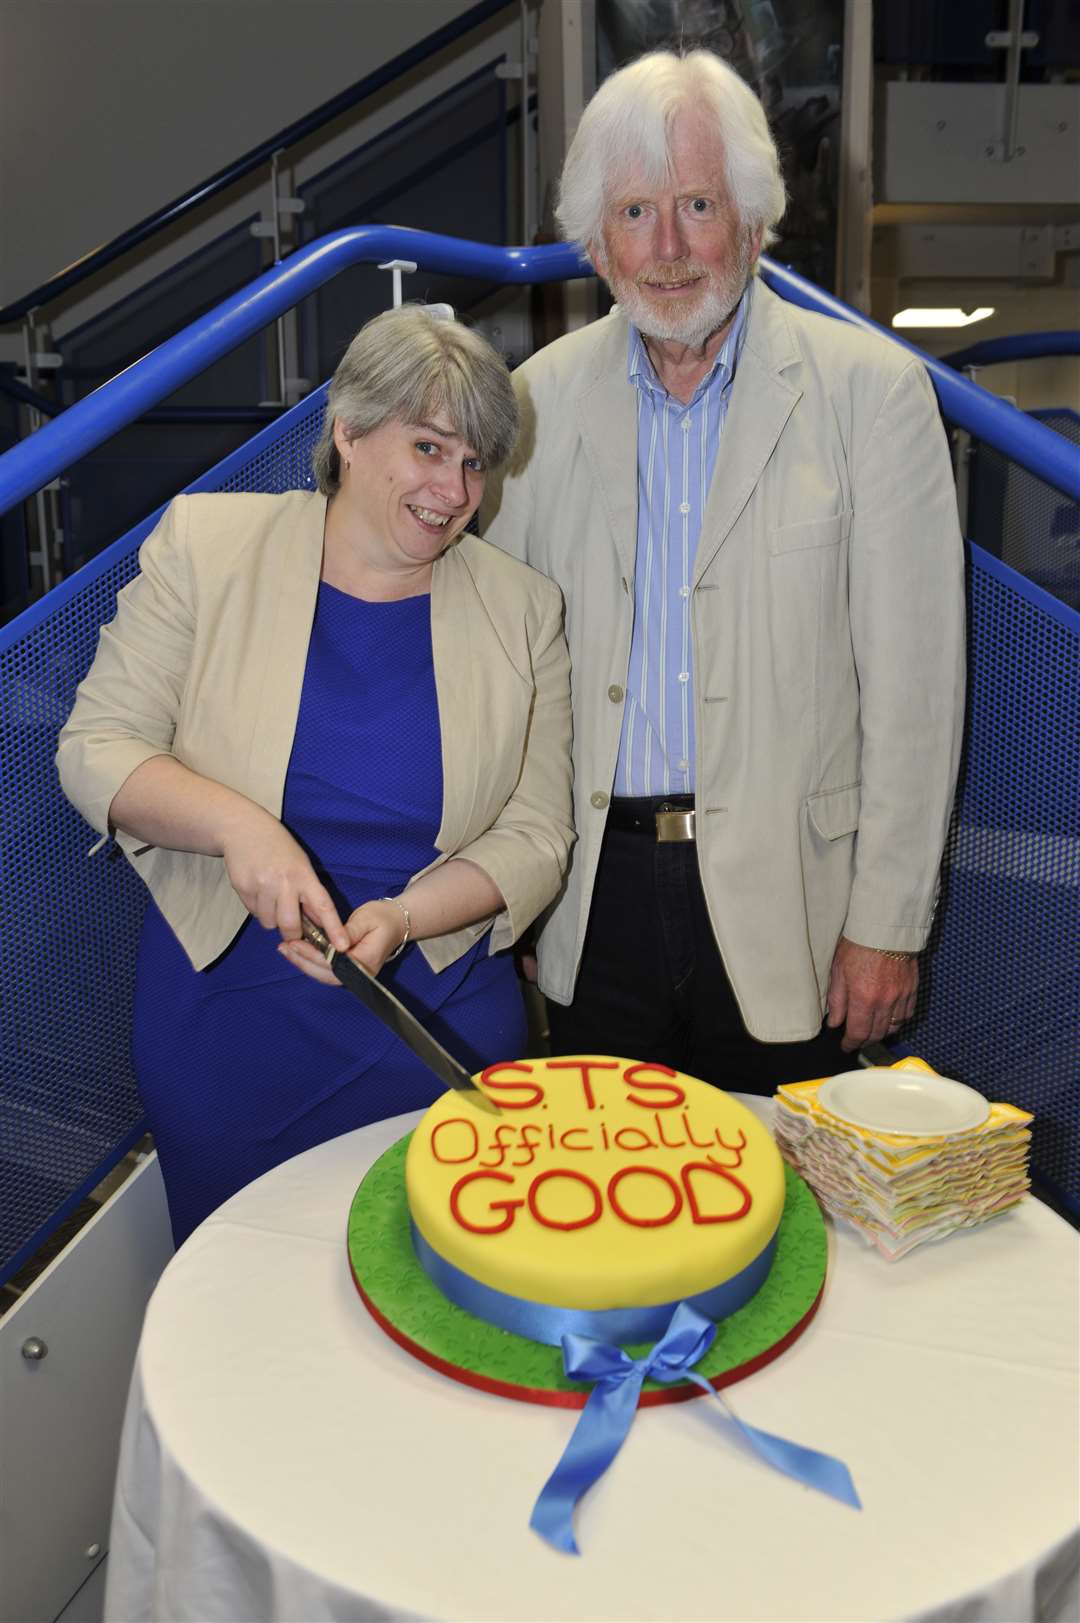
(283, 1459)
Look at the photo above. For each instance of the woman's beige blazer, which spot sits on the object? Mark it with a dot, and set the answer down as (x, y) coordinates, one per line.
(205, 661)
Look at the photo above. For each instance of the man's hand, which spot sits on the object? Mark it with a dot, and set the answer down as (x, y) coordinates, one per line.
(870, 995)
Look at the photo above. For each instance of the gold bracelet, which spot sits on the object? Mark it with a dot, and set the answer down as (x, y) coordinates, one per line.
(887, 952)
(404, 911)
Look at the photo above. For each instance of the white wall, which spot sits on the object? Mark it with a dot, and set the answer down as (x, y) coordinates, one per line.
(110, 108)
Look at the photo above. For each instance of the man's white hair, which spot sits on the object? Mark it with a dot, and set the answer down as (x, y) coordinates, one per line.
(627, 126)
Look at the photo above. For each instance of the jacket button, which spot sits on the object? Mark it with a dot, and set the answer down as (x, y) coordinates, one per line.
(598, 799)
(615, 693)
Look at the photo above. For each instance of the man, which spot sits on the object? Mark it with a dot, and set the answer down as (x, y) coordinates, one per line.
(750, 510)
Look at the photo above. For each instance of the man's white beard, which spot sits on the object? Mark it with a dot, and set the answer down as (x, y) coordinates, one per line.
(707, 310)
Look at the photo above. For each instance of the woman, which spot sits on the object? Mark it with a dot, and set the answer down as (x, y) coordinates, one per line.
(334, 704)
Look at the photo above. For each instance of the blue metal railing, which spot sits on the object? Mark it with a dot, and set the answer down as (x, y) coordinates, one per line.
(196, 196)
(101, 414)
(1021, 346)
(1036, 448)
(124, 398)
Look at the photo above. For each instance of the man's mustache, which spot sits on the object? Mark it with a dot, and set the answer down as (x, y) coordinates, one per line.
(671, 275)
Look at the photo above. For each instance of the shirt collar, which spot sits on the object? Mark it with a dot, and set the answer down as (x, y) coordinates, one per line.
(642, 374)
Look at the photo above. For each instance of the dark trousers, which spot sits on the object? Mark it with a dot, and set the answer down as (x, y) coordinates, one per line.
(652, 984)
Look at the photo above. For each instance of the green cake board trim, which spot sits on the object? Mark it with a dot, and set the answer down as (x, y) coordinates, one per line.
(419, 1317)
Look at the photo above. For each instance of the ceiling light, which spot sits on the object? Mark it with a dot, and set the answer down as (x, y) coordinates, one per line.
(941, 318)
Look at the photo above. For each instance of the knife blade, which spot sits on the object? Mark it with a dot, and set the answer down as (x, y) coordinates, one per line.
(393, 1014)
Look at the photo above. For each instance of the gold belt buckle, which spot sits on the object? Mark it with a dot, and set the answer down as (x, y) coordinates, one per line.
(674, 825)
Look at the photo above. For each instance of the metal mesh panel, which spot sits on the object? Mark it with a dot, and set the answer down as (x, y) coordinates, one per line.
(1000, 1003)
(69, 926)
(1023, 521)
(278, 459)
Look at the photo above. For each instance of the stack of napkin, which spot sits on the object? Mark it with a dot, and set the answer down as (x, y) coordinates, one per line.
(899, 1189)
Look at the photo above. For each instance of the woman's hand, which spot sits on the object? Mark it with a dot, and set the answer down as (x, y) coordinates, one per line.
(273, 877)
(374, 931)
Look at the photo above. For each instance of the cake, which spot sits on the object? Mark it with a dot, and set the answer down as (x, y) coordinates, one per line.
(603, 1194)
(610, 1225)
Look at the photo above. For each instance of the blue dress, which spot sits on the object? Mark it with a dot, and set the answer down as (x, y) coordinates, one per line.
(250, 1061)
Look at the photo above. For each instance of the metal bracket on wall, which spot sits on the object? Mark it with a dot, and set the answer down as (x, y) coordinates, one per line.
(398, 266)
(1014, 39)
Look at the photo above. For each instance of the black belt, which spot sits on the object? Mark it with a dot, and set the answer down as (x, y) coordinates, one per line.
(661, 817)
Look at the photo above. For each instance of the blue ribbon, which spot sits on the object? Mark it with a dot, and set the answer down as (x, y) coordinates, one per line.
(607, 1417)
(540, 1321)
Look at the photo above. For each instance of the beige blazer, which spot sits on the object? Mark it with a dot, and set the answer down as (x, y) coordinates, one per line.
(827, 624)
(205, 661)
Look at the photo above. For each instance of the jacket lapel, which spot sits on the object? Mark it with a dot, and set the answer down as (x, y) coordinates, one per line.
(454, 637)
(607, 419)
(762, 400)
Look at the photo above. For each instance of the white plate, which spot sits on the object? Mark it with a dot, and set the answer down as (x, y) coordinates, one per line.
(887, 1100)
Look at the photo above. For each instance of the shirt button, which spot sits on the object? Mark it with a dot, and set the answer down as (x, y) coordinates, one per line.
(683, 765)
(684, 591)
(598, 799)
(684, 676)
(686, 422)
(684, 507)
(614, 692)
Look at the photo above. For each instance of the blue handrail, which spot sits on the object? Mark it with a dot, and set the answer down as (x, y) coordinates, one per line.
(1021, 346)
(157, 375)
(343, 102)
(984, 415)
(94, 419)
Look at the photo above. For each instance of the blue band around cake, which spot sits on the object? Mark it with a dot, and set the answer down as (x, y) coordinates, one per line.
(539, 1321)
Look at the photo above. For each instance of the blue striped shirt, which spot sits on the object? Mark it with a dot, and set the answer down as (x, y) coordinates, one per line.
(676, 455)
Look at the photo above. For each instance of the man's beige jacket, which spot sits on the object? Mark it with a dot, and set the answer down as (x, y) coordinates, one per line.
(205, 661)
(827, 623)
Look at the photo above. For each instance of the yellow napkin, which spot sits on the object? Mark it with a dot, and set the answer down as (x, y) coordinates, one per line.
(901, 1189)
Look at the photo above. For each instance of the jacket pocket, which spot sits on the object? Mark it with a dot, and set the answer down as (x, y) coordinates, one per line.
(835, 812)
(814, 532)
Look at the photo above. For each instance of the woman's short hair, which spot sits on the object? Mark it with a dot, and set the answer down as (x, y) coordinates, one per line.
(627, 125)
(412, 366)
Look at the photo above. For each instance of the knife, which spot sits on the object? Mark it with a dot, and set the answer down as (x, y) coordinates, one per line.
(393, 1013)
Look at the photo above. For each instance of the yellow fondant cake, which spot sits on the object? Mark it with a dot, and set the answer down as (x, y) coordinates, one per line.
(603, 1184)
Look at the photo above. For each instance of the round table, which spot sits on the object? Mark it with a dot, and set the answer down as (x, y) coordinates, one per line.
(284, 1459)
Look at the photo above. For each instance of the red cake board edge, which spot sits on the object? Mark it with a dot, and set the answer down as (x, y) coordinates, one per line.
(577, 1400)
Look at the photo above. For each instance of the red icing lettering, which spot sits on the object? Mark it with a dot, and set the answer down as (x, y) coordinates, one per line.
(735, 1149)
(574, 1223)
(507, 1207)
(564, 1139)
(644, 1142)
(644, 1172)
(453, 1160)
(528, 1144)
(533, 1091)
(498, 1146)
(664, 1095)
(696, 1214)
(701, 1143)
(668, 1143)
(584, 1066)
(603, 1135)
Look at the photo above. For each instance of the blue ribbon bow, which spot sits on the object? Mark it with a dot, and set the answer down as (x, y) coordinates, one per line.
(609, 1412)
